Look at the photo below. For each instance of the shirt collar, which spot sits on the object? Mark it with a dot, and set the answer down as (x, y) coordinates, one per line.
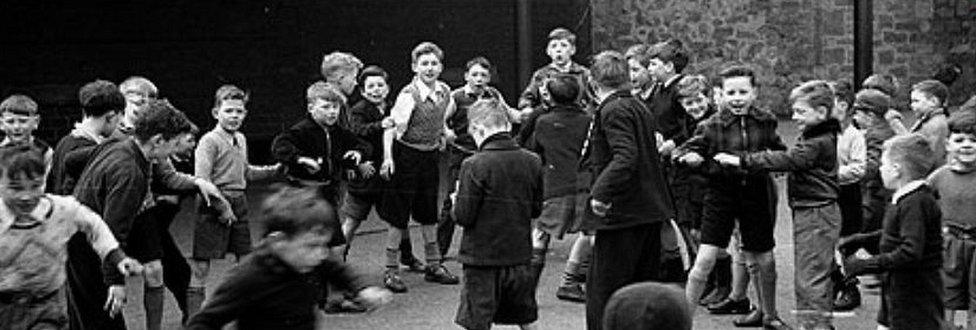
(84, 132)
(232, 137)
(671, 80)
(425, 91)
(906, 189)
(41, 212)
(6, 141)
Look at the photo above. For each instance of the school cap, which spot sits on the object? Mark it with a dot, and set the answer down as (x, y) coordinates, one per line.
(873, 101)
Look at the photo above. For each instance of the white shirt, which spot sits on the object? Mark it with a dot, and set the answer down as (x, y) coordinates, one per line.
(404, 104)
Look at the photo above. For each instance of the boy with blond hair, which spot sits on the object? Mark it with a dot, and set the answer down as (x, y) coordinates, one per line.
(19, 119)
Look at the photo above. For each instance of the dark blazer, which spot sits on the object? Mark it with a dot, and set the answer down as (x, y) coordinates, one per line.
(309, 139)
(812, 164)
(558, 139)
(670, 117)
(500, 193)
(365, 120)
(61, 179)
(725, 132)
(622, 157)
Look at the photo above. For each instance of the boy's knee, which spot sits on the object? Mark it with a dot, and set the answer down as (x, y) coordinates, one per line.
(153, 273)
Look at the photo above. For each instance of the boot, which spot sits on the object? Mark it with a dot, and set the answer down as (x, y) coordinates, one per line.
(849, 296)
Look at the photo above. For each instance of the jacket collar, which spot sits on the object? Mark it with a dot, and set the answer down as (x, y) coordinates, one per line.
(906, 189)
(830, 126)
(615, 95)
(728, 118)
(499, 141)
(925, 118)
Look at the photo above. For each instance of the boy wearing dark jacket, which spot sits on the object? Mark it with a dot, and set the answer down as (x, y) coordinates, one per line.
(813, 191)
(499, 193)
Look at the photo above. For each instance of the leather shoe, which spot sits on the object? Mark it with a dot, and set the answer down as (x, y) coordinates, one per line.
(753, 320)
(729, 307)
(776, 324)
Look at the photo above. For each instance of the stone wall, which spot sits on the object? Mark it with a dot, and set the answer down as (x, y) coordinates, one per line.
(795, 40)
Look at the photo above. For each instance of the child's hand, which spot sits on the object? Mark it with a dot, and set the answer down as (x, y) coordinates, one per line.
(367, 169)
(374, 297)
(387, 122)
(449, 135)
(665, 148)
(693, 159)
(353, 155)
(130, 267)
(116, 300)
(310, 164)
(208, 190)
(599, 208)
(227, 217)
(727, 159)
(387, 168)
(892, 115)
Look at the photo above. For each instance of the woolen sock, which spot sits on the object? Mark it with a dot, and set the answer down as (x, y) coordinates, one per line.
(194, 299)
(152, 301)
(392, 257)
(572, 273)
(432, 253)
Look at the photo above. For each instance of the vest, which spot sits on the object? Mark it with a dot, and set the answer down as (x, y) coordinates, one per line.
(426, 122)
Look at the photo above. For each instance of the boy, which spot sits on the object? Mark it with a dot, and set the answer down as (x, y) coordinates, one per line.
(667, 60)
(368, 118)
(558, 138)
(561, 48)
(34, 232)
(221, 157)
(137, 91)
(101, 109)
(910, 240)
(115, 183)
(929, 99)
(272, 288)
(629, 203)
(18, 121)
(341, 70)
(477, 77)
(870, 105)
(641, 82)
(315, 153)
(813, 190)
(954, 184)
(851, 158)
(410, 161)
(499, 193)
(747, 198)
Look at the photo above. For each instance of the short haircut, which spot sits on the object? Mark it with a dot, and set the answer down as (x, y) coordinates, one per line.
(913, 152)
(160, 117)
(671, 50)
(843, 91)
(294, 211)
(610, 69)
(230, 92)
(816, 93)
(561, 33)
(638, 52)
(335, 63)
(481, 61)
(692, 85)
(321, 90)
(372, 71)
(963, 122)
(22, 159)
(564, 89)
(737, 71)
(139, 84)
(885, 83)
(425, 48)
(488, 113)
(19, 104)
(647, 305)
(933, 88)
(100, 97)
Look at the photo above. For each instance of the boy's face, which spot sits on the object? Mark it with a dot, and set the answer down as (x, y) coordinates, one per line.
(135, 99)
(375, 89)
(695, 106)
(230, 115)
(738, 94)
(304, 251)
(347, 81)
(660, 70)
(21, 193)
(477, 76)
(863, 118)
(962, 148)
(639, 75)
(840, 110)
(560, 51)
(806, 115)
(324, 112)
(18, 127)
(185, 145)
(890, 171)
(108, 122)
(923, 102)
(163, 148)
(428, 67)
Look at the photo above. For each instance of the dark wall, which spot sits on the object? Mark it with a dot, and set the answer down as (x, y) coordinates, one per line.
(272, 48)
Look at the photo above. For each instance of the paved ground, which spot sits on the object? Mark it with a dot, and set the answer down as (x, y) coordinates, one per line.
(429, 306)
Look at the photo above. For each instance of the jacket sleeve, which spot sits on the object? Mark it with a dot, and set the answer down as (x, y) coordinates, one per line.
(911, 228)
(121, 207)
(698, 142)
(76, 160)
(470, 195)
(169, 177)
(285, 149)
(350, 142)
(537, 193)
(802, 156)
(619, 172)
(231, 298)
(854, 169)
(359, 125)
(530, 96)
(100, 238)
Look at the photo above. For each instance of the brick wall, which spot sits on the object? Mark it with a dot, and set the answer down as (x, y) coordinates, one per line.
(795, 40)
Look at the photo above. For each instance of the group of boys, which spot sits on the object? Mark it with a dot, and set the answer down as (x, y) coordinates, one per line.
(655, 175)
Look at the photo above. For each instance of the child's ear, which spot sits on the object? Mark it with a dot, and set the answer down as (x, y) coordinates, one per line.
(214, 112)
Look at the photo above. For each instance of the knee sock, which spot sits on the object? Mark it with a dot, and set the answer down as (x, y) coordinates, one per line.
(740, 280)
(432, 254)
(152, 301)
(406, 249)
(195, 296)
(767, 286)
(697, 279)
(392, 257)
